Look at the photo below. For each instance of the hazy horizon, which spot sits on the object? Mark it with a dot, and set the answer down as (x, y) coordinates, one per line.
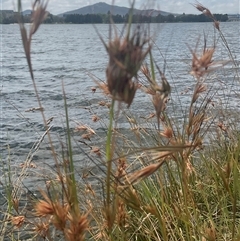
(173, 6)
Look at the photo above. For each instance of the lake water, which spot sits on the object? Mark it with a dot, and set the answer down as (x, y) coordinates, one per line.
(75, 55)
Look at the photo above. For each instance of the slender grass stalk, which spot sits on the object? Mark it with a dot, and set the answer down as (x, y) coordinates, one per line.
(152, 67)
(8, 189)
(109, 146)
(26, 40)
(9, 184)
(130, 17)
(72, 185)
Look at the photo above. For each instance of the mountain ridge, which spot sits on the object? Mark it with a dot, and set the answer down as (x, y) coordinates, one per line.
(104, 8)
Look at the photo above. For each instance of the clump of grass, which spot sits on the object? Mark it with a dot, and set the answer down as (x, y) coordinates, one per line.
(168, 185)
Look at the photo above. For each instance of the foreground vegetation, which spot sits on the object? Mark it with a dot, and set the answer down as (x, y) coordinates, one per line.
(170, 180)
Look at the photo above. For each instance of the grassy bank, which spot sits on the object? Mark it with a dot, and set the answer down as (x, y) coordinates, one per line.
(166, 179)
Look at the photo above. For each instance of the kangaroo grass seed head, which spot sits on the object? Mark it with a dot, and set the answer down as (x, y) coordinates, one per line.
(60, 216)
(199, 88)
(41, 228)
(18, 221)
(15, 203)
(95, 118)
(93, 89)
(44, 208)
(159, 92)
(39, 14)
(201, 64)
(125, 59)
(160, 99)
(96, 150)
(78, 225)
(207, 13)
(144, 172)
(203, 9)
(167, 132)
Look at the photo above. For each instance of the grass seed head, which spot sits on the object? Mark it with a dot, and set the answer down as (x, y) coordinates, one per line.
(222, 126)
(121, 214)
(15, 203)
(125, 59)
(39, 14)
(144, 172)
(86, 137)
(41, 229)
(167, 132)
(210, 232)
(200, 88)
(121, 167)
(18, 221)
(95, 118)
(203, 9)
(93, 89)
(80, 128)
(44, 208)
(60, 215)
(77, 227)
(201, 64)
(103, 87)
(96, 150)
(160, 97)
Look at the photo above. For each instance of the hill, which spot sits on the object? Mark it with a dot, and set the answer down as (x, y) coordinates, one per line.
(27, 12)
(104, 8)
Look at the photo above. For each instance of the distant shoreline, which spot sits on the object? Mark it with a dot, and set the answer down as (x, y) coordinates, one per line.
(10, 17)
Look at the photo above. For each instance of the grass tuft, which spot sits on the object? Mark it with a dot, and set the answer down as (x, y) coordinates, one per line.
(161, 179)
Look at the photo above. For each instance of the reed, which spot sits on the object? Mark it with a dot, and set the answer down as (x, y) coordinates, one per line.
(159, 181)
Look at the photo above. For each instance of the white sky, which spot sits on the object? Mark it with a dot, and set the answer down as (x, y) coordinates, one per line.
(173, 6)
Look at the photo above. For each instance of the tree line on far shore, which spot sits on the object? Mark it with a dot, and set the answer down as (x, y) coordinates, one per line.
(106, 18)
(97, 18)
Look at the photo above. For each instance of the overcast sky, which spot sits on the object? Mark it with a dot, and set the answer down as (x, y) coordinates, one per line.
(173, 6)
